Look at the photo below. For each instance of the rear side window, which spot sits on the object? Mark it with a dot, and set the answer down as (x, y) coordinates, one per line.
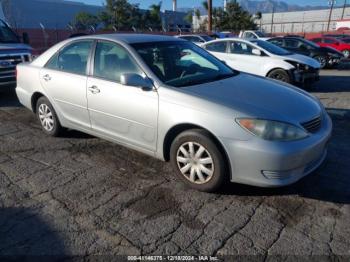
(112, 60)
(241, 48)
(72, 58)
(291, 43)
(217, 47)
(250, 35)
(278, 42)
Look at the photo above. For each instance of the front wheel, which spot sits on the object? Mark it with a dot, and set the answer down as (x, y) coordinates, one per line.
(346, 53)
(322, 60)
(198, 161)
(279, 74)
(47, 117)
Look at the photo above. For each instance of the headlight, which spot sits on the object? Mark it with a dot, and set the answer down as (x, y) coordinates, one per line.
(298, 66)
(272, 130)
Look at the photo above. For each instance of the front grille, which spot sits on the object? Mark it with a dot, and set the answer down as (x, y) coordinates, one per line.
(313, 125)
(8, 65)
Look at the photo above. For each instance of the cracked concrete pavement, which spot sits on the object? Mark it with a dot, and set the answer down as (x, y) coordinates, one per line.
(80, 195)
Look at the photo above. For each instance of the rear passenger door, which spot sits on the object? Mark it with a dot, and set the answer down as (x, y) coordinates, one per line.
(64, 81)
(124, 113)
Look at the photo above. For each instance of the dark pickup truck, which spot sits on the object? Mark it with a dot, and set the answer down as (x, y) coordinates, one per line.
(12, 52)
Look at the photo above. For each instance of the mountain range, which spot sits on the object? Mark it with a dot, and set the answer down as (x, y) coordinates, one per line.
(266, 6)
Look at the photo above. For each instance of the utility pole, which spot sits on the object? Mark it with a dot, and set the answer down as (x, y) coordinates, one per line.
(210, 8)
(331, 3)
(273, 14)
(342, 15)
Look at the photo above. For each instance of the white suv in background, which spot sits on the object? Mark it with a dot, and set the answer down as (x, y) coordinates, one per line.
(262, 58)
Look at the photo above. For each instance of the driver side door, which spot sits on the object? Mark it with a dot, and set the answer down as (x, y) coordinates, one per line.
(123, 113)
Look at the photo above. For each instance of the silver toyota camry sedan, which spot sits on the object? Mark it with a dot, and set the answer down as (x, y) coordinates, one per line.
(170, 99)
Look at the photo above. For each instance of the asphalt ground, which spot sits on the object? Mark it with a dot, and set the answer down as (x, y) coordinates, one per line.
(79, 195)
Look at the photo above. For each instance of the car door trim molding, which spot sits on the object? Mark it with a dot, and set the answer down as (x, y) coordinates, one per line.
(122, 118)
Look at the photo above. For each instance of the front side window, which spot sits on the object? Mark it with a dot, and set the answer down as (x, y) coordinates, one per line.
(112, 60)
(72, 58)
(180, 64)
(328, 41)
(217, 47)
(273, 49)
(317, 40)
(241, 48)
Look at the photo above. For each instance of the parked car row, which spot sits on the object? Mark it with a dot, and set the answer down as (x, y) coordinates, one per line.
(262, 58)
(282, 58)
(327, 57)
(173, 100)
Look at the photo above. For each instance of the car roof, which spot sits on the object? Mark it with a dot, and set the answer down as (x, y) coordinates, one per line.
(132, 38)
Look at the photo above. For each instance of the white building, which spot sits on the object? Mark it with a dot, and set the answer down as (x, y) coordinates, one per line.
(303, 21)
(295, 22)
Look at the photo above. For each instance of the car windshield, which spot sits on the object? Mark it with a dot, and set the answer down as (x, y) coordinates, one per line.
(206, 38)
(7, 35)
(310, 43)
(273, 49)
(181, 64)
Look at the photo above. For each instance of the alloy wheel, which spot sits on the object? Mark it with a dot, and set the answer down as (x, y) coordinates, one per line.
(195, 162)
(346, 53)
(279, 77)
(46, 117)
(322, 61)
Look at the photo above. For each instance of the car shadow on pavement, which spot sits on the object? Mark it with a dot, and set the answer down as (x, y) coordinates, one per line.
(332, 84)
(8, 98)
(330, 182)
(24, 233)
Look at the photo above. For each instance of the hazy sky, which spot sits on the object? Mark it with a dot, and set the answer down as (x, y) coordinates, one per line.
(167, 4)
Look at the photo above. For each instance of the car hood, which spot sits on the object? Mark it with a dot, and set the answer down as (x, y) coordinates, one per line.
(303, 59)
(331, 50)
(14, 47)
(253, 96)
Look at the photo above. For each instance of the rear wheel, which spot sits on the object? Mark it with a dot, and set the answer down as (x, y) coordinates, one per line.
(47, 117)
(198, 161)
(279, 74)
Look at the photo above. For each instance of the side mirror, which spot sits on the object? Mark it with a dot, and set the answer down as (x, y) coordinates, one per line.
(256, 52)
(25, 38)
(136, 80)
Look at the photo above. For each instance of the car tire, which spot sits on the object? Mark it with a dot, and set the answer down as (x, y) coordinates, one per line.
(279, 74)
(346, 53)
(47, 117)
(322, 60)
(198, 160)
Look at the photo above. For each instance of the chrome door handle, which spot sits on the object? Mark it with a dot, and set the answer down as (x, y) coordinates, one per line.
(47, 77)
(94, 89)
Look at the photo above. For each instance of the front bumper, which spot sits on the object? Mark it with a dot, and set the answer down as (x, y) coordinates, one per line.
(273, 164)
(302, 77)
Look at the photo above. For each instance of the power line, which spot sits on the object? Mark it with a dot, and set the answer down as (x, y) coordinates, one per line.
(331, 3)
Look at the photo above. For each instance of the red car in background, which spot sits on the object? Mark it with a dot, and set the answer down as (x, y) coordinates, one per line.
(335, 43)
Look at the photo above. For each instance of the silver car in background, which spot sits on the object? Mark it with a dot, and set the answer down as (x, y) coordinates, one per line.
(172, 100)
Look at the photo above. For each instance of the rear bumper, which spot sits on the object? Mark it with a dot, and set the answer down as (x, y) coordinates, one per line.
(273, 164)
